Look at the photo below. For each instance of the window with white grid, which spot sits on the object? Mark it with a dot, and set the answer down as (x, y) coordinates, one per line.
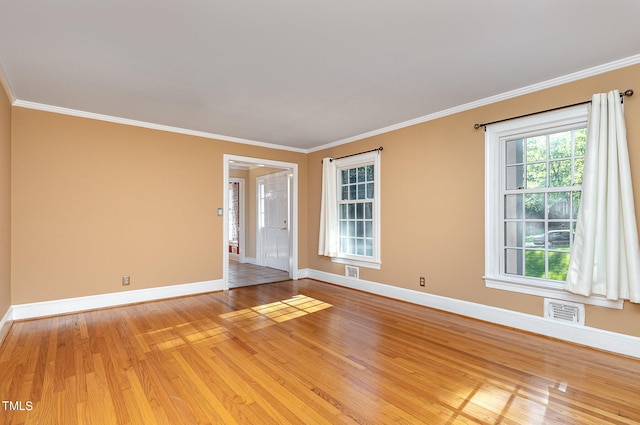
(358, 210)
(540, 197)
(533, 184)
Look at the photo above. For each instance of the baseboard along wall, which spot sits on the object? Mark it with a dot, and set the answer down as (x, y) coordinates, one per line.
(583, 335)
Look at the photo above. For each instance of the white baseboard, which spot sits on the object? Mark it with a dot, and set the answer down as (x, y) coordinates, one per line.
(71, 305)
(5, 323)
(584, 335)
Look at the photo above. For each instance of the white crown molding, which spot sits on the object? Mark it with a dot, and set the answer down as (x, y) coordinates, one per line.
(92, 302)
(584, 335)
(589, 72)
(4, 82)
(580, 75)
(143, 124)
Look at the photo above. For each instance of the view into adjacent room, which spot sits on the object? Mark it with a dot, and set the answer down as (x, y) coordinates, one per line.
(259, 218)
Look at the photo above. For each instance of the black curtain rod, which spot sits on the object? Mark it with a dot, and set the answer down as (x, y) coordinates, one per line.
(477, 126)
(359, 153)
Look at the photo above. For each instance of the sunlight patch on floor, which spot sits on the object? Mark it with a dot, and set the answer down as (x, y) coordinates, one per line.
(275, 312)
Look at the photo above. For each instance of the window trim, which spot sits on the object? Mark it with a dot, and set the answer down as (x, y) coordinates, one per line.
(494, 276)
(368, 158)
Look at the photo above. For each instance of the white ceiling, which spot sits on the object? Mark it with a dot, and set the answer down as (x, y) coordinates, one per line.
(300, 74)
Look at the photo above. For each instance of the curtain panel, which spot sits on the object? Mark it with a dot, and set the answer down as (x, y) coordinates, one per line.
(605, 259)
(328, 237)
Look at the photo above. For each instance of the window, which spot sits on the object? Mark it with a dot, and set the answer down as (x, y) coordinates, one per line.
(533, 177)
(540, 198)
(358, 210)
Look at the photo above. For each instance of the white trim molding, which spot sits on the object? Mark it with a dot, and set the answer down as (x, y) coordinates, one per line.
(569, 78)
(153, 126)
(584, 335)
(92, 302)
(5, 324)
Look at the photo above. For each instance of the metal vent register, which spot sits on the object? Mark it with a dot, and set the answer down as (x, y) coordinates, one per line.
(564, 311)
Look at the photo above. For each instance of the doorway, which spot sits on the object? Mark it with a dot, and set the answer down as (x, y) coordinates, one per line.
(269, 232)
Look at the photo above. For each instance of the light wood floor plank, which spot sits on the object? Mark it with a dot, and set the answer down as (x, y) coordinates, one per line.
(303, 353)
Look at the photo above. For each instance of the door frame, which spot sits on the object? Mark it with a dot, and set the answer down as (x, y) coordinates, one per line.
(293, 167)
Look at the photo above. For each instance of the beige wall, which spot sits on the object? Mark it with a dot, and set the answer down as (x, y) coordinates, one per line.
(433, 200)
(5, 204)
(93, 201)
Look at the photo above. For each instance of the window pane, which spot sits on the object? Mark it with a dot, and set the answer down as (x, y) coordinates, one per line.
(580, 141)
(515, 153)
(343, 211)
(558, 265)
(513, 234)
(345, 176)
(534, 263)
(352, 175)
(359, 211)
(369, 173)
(369, 190)
(515, 177)
(559, 205)
(368, 210)
(535, 233)
(536, 175)
(559, 235)
(345, 193)
(579, 171)
(351, 228)
(352, 211)
(536, 148)
(360, 245)
(560, 173)
(513, 206)
(360, 229)
(368, 229)
(513, 261)
(343, 228)
(362, 174)
(560, 145)
(368, 244)
(362, 191)
(534, 206)
(576, 203)
(352, 191)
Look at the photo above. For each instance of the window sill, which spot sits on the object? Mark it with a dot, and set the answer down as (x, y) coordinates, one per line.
(358, 263)
(547, 290)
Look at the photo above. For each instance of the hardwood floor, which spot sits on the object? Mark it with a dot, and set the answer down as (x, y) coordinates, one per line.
(302, 353)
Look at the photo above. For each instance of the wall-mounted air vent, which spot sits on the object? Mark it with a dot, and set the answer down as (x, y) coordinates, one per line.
(564, 311)
(352, 271)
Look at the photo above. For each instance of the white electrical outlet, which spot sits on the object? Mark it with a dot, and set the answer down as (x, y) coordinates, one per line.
(126, 280)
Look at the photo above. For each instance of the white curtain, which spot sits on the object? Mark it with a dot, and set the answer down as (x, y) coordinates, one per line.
(328, 238)
(605, 259)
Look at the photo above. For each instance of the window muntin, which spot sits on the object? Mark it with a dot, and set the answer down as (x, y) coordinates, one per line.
(541, 187)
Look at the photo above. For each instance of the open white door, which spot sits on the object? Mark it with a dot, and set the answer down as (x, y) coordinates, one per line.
(274, 218)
